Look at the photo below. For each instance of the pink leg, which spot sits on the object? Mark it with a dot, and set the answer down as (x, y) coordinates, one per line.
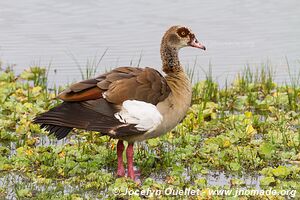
(120, 149)
(129, 154)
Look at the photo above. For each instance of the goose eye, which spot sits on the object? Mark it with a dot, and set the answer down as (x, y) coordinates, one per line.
(182, 32)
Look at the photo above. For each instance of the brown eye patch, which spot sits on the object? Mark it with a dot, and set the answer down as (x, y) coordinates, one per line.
(183, 32)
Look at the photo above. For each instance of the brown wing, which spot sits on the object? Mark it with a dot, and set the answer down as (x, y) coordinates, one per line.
(85, 107)
(121, 84)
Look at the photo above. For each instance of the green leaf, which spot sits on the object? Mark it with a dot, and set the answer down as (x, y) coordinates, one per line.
(202, 182)
(266, 181)
(266, 149)
(24, 193)
(153, 142)
(281, 171)
(237, 182)
(4, 151)
(235, 166)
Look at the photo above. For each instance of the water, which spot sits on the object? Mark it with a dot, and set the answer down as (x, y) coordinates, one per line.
(234, 32)
(15, 181)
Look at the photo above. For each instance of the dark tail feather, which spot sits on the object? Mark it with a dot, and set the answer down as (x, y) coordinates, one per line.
(59, 131)
(90, 116)
(61, 119)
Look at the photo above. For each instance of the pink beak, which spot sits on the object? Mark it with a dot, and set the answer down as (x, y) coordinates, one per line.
(196, 44)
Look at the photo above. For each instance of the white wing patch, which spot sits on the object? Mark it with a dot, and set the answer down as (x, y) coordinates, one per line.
(104, 95)
(144, 115)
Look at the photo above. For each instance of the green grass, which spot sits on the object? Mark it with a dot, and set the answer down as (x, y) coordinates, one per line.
(246, 129)
(91, 66)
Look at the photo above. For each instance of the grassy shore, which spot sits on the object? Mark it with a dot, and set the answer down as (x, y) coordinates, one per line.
(240, 137)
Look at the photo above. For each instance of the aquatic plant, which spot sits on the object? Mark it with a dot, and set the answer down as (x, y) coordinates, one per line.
(246, 133)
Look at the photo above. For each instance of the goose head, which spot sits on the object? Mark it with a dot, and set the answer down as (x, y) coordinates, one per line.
(180, 36)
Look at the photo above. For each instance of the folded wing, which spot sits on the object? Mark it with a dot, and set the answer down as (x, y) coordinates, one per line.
(94, 104)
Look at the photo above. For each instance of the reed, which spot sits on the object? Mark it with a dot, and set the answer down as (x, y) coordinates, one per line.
(91, 66)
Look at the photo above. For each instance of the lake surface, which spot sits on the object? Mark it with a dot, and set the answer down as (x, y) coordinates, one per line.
(235, 33)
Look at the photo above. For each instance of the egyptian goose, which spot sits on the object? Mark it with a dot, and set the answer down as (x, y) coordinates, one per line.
(128, 103)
